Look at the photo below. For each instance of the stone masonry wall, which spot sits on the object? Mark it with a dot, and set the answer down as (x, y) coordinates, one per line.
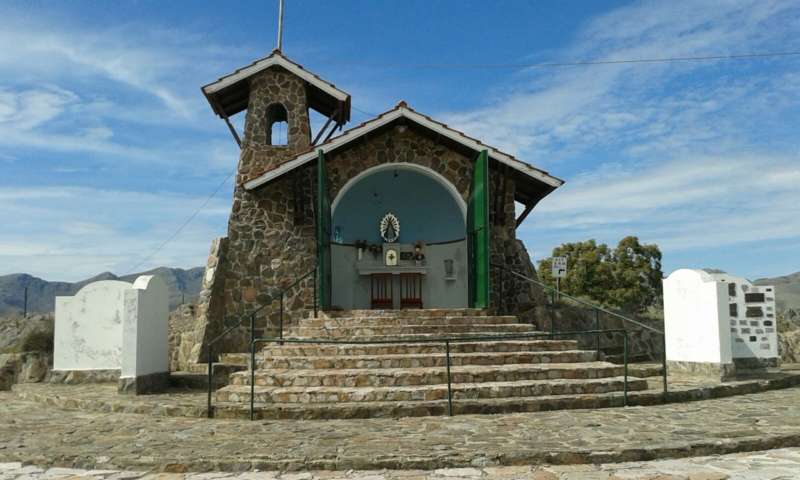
(268, 249)
(273, 85)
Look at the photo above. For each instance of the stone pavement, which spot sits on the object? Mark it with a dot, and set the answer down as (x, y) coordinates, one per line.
(103, 398)
(779, 464)
(46, 436)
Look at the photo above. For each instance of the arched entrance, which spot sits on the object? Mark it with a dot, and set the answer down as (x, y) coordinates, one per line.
(432, 222)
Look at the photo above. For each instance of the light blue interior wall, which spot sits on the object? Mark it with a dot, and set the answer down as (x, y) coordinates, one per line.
(426, 209)
(351, 290)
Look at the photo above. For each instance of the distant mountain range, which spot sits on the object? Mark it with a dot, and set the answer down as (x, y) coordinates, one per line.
(184, 285)
(787, 290)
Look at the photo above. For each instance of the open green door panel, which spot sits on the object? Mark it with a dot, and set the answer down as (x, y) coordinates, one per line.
(323, 218)
(478, 233)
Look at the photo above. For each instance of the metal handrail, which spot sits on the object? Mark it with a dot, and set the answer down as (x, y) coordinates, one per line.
(597, 309)
(581, 301)
(252, 317)
(446, 341)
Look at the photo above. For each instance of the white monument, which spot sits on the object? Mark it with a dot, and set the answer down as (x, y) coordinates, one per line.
(715, 323)
(115, 330)
(88, 328)
(145, 337)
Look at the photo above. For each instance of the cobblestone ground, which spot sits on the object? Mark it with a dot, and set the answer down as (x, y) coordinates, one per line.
(779, 464)
(46, 436)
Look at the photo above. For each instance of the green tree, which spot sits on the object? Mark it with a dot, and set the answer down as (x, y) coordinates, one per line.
(588, 269)
(628, 277)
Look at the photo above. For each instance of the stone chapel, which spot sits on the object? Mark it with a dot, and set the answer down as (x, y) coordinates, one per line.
(399, 212)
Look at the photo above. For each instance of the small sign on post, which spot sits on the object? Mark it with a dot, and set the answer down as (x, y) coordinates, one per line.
(559, 267)
(559, 271)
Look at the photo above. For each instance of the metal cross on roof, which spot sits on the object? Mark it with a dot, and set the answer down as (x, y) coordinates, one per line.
(280, 25)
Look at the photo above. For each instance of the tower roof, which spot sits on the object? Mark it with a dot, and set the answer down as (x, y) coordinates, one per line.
(230, 94)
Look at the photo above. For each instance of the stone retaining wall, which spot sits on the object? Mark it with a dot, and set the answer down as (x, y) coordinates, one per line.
(25, 367)
(643, 344)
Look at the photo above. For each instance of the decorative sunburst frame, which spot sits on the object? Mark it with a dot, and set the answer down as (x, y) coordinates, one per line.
(390, 220)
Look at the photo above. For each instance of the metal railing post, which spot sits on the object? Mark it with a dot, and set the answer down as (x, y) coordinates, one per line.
(500, 298)
(252, 326)
(449, 381)
(209, 408)
(625, 359)
(315, 293)
(252, 379)
(664, 363)
(280, 324)
(597, 327)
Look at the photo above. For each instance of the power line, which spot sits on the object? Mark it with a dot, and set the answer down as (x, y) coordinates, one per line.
(185, 223)
(364, 112)
(567, 64)
(479, 66)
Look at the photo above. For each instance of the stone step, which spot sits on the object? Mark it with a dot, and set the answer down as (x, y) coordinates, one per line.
(433, 338)
(420, 393)
(196, 377)
(219, 368)
(397, 330)
(195, 381)
(234, 358)
(425, 360)
(401, 321)
(319, 350)
(392, 377)
(643, 370)
(350, 410)
(405, 313)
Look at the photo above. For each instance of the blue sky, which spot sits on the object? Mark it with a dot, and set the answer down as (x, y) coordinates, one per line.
(107, 145)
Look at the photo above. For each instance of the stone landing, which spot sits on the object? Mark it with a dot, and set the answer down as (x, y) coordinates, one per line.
(48, 436)
(363, 380)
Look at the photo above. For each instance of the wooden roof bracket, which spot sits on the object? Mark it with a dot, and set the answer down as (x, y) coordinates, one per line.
(322, 130)
(524, 214)
(230, 125)
(339, 123)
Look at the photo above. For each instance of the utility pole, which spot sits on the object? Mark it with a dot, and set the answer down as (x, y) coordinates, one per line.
(25, 304)
(280, 25)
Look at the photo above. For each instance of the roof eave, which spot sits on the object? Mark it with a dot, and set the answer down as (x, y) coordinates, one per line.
(403, 112)
(212, 90)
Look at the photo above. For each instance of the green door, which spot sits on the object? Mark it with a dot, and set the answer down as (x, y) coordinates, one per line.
(478, 233)
(323, 235)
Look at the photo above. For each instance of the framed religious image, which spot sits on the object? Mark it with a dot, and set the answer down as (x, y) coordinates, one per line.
(389, 228)
(391, 256)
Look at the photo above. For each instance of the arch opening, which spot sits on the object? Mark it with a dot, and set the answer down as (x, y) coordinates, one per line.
(432, 222)
(277, 125)
(429, 207)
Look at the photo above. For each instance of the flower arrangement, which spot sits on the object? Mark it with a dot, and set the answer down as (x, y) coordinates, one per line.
(361, 245)
(419, 257)
(375, 249)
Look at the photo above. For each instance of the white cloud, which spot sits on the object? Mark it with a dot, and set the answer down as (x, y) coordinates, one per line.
(29, 108)
(689, 155)
(75, 90)
(71, 233)
(547, 113)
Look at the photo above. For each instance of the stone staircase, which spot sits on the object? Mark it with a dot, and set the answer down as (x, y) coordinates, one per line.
(410, 379)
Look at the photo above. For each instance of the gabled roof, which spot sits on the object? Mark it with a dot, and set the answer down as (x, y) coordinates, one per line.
(229, 95)
(535, 184)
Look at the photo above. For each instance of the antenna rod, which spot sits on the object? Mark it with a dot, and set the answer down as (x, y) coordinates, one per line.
(280, 25)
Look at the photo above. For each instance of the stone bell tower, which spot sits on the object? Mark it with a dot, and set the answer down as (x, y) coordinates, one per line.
(271, 234)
